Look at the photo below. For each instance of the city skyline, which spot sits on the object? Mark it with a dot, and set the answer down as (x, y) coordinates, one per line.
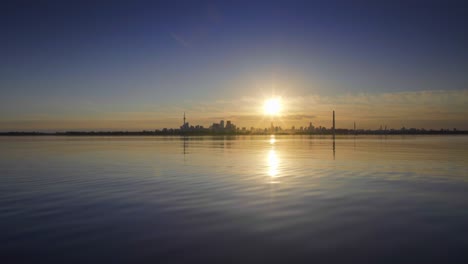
(272, 107)
(415, 118)
(137, 66)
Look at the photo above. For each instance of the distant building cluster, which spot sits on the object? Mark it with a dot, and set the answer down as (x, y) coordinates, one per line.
(216, 127)
(230, 128)
(187, 128)
(220, 127)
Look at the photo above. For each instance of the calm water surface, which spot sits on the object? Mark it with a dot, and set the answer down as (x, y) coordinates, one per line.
(366, 199)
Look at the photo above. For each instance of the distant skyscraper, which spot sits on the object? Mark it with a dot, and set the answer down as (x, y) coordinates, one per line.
(333, 122)
(185, 125)
(221, 124)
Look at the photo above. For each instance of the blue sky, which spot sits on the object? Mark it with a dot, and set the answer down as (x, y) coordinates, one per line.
(140, 64)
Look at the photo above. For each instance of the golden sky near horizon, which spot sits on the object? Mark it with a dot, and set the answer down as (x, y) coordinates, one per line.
(423, 109)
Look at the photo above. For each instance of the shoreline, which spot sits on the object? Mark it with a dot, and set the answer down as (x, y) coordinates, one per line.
(189, 133)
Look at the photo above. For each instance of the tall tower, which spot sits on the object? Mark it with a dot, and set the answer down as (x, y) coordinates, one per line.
(184, 119)
(333, 122)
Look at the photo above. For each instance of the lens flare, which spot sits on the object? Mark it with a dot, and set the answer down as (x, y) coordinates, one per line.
(272, 106)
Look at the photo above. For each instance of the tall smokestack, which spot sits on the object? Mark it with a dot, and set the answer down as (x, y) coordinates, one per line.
(333, 122)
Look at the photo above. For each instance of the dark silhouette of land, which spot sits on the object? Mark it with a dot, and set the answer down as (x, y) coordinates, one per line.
(230, 128)
(175, 132)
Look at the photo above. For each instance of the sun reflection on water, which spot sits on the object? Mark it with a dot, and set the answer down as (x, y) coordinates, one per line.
(273, 163)
(272, 139)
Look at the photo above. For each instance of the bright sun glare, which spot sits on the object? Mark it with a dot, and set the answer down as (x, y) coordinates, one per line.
(272, 106)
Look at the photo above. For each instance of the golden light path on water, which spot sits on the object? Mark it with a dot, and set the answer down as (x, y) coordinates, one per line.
(273, 161)
(272, 140)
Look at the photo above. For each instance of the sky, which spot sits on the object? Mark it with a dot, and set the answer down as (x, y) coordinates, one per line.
(134, 65)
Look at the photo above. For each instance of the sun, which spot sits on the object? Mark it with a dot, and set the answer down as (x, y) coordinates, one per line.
(272, 106)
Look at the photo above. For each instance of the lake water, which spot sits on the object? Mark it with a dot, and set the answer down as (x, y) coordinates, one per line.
(245, 199)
